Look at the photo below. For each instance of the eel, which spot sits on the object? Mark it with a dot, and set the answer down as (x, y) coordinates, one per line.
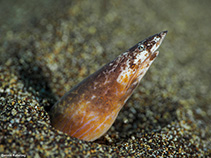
(89, 109)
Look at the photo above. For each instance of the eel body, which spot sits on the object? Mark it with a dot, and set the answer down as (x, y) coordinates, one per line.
(89, 109)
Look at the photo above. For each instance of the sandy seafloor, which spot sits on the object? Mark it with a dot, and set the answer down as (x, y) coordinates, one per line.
(46, 47)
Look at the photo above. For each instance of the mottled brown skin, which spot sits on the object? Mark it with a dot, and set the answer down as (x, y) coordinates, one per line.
(102, 104)
(89, 109)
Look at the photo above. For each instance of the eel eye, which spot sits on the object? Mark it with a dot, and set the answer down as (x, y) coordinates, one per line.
(141, 47)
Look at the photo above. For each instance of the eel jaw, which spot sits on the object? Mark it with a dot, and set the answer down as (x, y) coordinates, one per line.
(145, 53)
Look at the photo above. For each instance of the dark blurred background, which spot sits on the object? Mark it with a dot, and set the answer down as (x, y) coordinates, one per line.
(55, 44)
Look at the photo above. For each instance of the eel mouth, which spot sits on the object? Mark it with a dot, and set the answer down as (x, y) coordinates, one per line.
(144, 66)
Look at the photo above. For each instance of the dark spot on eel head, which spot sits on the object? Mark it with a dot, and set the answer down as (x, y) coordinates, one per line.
(152, 57)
